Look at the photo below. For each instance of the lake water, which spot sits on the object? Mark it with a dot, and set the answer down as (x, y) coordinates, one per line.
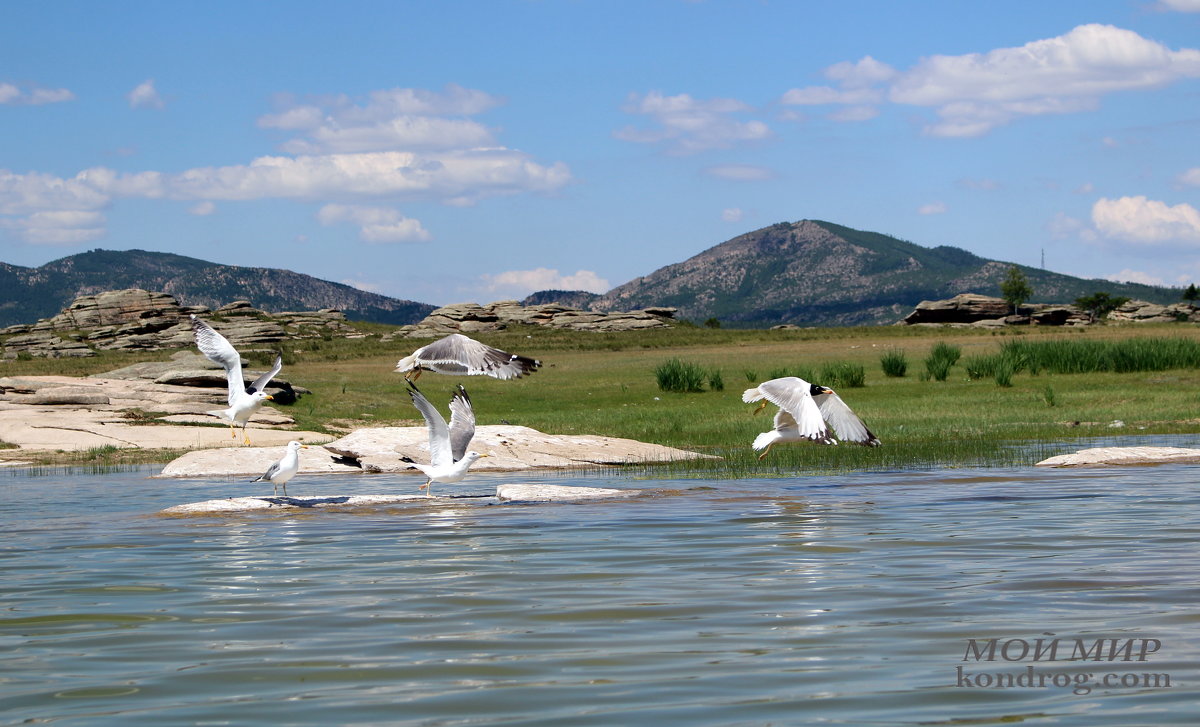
(844, 600)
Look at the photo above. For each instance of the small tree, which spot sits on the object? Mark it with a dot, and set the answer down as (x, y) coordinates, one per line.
(1099, 304)
(1015, 289)
(1191, 294)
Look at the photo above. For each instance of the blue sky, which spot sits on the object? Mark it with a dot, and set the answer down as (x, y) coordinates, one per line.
(477, 151)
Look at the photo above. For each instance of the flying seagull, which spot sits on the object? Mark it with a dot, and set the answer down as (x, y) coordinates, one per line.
(461, 356)
(243, 400)
(806, 412)
(280, 472)
(448, 455)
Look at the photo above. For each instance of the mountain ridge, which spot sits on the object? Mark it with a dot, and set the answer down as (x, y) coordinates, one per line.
(30, 294)
(813, 272)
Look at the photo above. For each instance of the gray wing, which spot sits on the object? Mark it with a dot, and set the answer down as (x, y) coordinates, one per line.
(462, 423)
(458, 354)
(793, 395)
(847, 424)
(271, 472)
(439, 433)
(218, 349)
(261, 382)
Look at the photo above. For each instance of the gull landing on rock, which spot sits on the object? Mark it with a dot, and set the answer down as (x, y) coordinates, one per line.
(243, 400)
(806, 413)
(449, 459)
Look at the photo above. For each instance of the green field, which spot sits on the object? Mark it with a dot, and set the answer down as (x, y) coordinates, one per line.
(605, 384)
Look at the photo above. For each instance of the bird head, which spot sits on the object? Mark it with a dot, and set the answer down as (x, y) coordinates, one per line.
(818, 390)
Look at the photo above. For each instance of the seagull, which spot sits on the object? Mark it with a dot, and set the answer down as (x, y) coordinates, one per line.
(243, 400)
(280, 472)
(448, 455)
(806, 411)
(461, 356)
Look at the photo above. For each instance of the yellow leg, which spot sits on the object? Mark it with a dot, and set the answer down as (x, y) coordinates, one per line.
(762, 405)
(768, 449)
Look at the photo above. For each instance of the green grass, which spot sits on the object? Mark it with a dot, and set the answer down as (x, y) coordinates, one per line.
(894, 363)
(605, 384)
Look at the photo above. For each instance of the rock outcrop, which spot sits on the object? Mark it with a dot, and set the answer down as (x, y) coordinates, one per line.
(474, 318)
(134, 319)
(982, 311)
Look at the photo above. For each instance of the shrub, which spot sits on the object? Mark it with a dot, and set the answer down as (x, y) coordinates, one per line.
(715, 381)
(894, 364)
(941, 357)
(680, 376)
(843, 375)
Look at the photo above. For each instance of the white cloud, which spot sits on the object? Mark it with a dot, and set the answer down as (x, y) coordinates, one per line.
(35, 96)
(732, 214)
(1135, 276)
(1191, 177)
(1062, 227)
(741, 172)
(933, 208)
(57, 227)
(687, 125)
(360, 285)
(1085, 188)
(1146, 221)
(421, 157)
(376, 224)
(976, 92)
(520, 283)
(1182, 6)
(145, 96)
(201, 209)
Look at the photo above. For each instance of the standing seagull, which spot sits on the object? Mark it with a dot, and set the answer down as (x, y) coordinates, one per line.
(448, 455)
(806, 411)
(280, 472)
(461, 356)
(243, 400)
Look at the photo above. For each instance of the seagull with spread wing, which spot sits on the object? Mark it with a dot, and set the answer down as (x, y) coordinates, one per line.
(449, 458)
(459, 355)
(243, 400)
(285, 469)
(806, 413)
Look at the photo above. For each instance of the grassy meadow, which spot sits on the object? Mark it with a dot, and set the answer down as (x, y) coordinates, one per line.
(997, 405)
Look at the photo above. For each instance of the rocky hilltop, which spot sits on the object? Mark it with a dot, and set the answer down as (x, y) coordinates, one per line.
(817, 273)
(28, 294)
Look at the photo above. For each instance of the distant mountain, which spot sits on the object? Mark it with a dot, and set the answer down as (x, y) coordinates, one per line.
(29, 294)
(815, 273)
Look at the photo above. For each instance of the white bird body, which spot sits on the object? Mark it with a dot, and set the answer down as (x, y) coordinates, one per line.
(806, 413)
(285, 469)
(449, 458)
(458, 355)
(243, 400)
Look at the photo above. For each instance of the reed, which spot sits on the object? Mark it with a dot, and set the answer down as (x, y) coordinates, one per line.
(894, 364)
(1069, 356)
(941, 358)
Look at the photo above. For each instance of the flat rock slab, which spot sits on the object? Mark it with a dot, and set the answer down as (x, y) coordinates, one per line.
(504, 493)
(509, 449)
(1099, 456)
(558, 493)
(250, 504)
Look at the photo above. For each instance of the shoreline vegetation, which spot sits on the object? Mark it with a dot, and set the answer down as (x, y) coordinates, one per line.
(1004, 399)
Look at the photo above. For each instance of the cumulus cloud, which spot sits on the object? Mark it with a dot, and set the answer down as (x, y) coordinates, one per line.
(740, 172)
(376, 224)
(58, 227)
(1146, 221)
(36, 96)
(687, 125)
(933, 208)
(732, 214)
(202, 209)
(1191, 177)
(1135, 276)
(1181, 6)
(1062, 226)
(395, 147)
(519, 283)
(145, 96)
(974, 93)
